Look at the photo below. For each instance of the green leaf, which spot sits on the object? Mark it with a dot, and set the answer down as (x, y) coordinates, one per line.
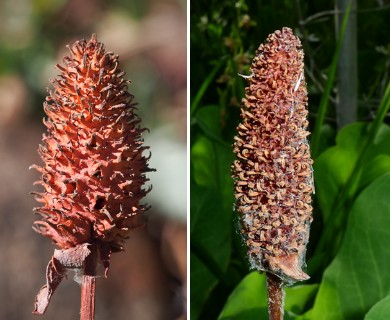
(380, 144)
(333, 168)
(211, 219)
(248, 300)
(207, 217)
(379, 311)
(338, 210)
(208, 118)
(211, 167)
(359, 275)
(202, 282)
(210, 236)
(298, 296)
(341, 173)
(374, 169)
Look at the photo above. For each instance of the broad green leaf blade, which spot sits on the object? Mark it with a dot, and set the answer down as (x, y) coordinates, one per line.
(211, 167)
(202, 282)
(341, 173)
(211, 219)
(374, 169)
(205, 164)
(207, 217)
(208, 118)
(333, 168)
(248, 301)
(359, 276)
(380, 144)
(297, 297)
(380, 311)
(210, 231)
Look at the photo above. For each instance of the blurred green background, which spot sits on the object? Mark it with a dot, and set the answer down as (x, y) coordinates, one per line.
(148, 280)
(349, 100)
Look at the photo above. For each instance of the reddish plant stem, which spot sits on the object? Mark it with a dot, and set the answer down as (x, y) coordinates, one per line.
(88, 286)
(275, 297)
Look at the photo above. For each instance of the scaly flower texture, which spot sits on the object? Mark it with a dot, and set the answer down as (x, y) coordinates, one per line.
(273, 170)
(94, 167)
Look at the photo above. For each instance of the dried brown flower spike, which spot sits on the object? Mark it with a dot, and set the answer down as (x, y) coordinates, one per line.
(273, 170)
(94, 167)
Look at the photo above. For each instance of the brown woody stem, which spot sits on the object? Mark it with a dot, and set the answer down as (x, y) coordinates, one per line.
(88, 286)
(275, 297)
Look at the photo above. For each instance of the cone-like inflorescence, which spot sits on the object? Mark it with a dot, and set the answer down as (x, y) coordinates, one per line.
(94, 167)
(273, 170)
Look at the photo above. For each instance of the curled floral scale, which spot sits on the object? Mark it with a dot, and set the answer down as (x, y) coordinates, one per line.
(273, 170)
(93, 153)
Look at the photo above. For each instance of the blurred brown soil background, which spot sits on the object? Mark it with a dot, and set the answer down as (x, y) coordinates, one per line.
(148, 280)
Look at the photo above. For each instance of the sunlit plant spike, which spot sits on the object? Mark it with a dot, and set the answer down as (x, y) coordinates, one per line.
(94, 164)
(273, 170)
